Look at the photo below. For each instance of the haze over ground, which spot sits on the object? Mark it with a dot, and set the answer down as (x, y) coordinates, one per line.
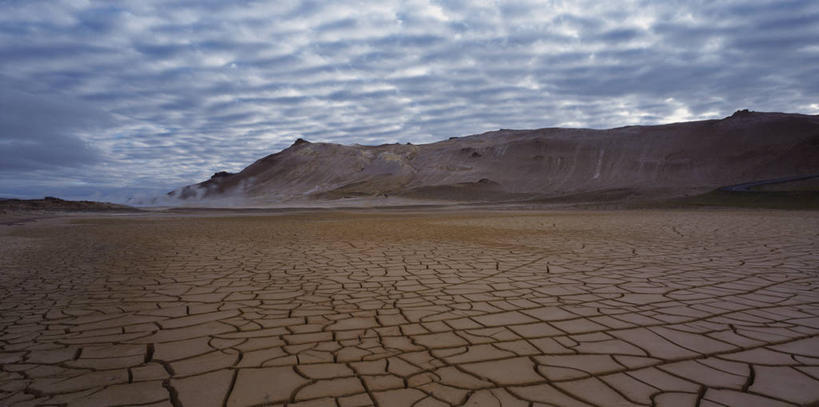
(106, 100)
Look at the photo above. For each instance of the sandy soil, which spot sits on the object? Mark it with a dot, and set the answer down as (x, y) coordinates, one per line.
(709, 307)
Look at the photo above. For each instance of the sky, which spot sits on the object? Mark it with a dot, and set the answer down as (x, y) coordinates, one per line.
(109, 100)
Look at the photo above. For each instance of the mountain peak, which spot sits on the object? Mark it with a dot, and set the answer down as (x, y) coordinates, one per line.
(221, 174)
(742, 113)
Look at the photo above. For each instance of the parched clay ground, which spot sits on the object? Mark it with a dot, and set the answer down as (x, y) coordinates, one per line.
(396, 309)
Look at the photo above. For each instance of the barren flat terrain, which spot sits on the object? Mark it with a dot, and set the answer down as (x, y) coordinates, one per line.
(491, 308)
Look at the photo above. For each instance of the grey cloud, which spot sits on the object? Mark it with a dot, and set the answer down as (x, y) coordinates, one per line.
(34, 53)
(620, 34)
(38, 132)
(342, 24)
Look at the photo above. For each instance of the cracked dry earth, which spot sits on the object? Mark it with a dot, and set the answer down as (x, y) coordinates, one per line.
(675, 308)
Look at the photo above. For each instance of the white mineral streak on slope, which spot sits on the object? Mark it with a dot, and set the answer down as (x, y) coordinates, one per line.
(599, 164)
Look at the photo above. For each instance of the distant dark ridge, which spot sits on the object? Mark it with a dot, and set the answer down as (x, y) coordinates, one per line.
(51, 203)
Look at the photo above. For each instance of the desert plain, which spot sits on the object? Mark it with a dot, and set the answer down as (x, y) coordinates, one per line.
(412, 308)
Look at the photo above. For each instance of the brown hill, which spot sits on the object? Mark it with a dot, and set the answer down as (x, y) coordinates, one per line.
(645, 161)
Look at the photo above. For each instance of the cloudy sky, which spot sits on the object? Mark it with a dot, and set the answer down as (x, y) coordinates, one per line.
(106, 99)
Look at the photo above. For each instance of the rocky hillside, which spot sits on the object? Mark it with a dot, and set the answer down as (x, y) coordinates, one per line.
(665, 160)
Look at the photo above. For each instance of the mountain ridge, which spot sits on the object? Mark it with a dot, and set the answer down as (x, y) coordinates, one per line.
(657, 160)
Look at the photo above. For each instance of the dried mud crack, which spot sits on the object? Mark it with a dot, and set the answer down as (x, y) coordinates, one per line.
(499, 308)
